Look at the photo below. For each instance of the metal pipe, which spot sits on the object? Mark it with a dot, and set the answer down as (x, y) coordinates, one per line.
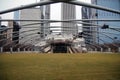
(41, 3)
(109, 38)
(2, 30)
(27, 40)
(67, 20)
(118, 30)
(104, 34)
(19, 39)
(33, 20)
(20, 32)
(91, 31)
(52, 1)
(1, 49)
(75, 2)
(17, 32)
(32, 24)
(93, 44)
(99, 39)
(91, 24)
(103, 40)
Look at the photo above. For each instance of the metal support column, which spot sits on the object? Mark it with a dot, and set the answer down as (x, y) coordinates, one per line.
(11, 49)
(1, 49)
(109, 49)
(95, 49)
(24, 49)
(18, 49)
(101, 49)
(118, 49)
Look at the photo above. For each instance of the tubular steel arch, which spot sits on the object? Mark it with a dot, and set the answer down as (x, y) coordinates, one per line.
(42, 21)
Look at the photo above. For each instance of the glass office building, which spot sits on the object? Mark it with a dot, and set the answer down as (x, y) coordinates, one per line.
(108, 35)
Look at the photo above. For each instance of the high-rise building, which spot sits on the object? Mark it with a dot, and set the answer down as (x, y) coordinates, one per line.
(108, 35)
(45, 14)
(88, 29)
(68, 12)
(29, 32)
(13, 32)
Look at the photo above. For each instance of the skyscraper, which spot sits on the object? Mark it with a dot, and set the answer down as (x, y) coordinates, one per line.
(45, 14)
(29, 30)
(13, 33)
(88, 29)
(68, 12)
(100, 14)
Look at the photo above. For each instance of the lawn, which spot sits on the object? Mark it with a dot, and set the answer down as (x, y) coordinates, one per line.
(37, 66)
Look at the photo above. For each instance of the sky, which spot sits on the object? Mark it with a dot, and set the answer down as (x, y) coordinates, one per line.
(55, 8)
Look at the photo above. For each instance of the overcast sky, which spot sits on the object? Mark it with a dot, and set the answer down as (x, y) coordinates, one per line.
(55, 8)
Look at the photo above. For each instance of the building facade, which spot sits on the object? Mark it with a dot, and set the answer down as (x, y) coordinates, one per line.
(13, 32)
(30, 31)
(45, 14)
(89, 31)
(68, 12)
(3, 35)
(108, 35)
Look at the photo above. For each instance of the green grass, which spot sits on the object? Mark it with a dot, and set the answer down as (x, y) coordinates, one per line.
(59, 66)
